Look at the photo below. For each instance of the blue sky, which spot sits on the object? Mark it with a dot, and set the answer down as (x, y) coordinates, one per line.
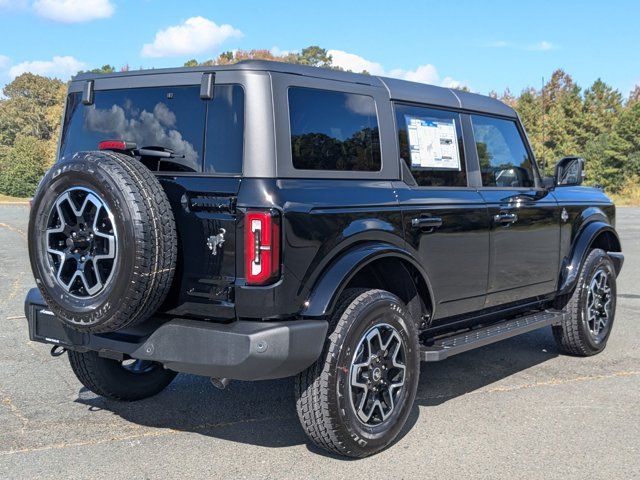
(487, 45)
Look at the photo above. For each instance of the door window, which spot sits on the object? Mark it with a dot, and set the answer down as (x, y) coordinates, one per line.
(333, 131)
(431, 145)
(504, 159)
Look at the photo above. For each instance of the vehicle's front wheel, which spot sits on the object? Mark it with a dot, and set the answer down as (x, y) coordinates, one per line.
(590, 308)
(128, 380)
(356, 398)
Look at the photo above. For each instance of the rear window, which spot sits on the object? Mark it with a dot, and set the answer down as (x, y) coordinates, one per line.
(162, 117)
(333, 131)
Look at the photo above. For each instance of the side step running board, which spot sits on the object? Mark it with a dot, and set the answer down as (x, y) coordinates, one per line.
(447, 346)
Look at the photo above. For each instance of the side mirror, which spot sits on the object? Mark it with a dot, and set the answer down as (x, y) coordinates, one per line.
(569, 171)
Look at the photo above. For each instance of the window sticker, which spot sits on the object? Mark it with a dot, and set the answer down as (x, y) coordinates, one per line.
(433, 143)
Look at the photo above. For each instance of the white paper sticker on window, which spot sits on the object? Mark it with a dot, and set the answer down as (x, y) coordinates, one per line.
(433, 143)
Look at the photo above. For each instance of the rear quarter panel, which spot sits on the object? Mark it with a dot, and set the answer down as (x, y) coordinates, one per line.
(320, 220)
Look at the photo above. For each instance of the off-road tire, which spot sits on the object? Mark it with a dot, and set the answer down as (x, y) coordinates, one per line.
(146, 241)
(322, 404)
(108, 378)
(573, 336)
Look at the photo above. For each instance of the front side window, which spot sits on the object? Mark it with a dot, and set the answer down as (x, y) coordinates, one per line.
(431, 145)
(504, 159)
(333, 131)
(154, 118)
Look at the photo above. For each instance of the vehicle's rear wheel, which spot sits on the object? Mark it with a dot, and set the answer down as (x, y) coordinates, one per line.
(128, 380)
(102, 241)
(356, 398)
(590, 308)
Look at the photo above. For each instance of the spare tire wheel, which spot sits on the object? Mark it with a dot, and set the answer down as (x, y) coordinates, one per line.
(102, 241)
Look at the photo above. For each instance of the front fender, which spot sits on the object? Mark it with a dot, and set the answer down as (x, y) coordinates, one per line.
(579, 250)
(337, 275)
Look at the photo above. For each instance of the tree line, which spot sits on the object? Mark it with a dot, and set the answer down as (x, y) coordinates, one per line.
(561, 119)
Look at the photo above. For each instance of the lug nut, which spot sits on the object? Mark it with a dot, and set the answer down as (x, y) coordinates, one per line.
(82, 259)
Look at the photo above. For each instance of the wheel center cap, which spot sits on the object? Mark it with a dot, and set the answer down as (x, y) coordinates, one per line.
(81, 243)
(377, 375)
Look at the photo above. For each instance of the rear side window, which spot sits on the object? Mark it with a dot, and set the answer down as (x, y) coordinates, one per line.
(504, 159)
(431, 145)
(333, 131)
(225, 130)
(158, 117)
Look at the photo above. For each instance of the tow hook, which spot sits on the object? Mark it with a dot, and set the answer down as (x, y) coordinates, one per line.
(57, 350)
(220, 383)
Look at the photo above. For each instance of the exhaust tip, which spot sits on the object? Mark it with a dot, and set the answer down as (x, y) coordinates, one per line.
(220, 383)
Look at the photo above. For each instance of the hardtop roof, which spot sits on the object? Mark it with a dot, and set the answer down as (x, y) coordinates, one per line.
(401, 90)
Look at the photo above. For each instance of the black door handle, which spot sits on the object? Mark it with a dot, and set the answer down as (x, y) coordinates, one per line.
(505, 218)
(426, 222)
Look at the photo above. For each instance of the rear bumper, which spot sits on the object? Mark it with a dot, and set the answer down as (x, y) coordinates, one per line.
(242, 350)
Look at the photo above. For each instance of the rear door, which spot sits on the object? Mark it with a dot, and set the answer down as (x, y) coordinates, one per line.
(525, 223)
(445, 219)
(204, 208)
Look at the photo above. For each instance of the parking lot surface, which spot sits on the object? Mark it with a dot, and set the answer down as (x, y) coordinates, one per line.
(515, 409)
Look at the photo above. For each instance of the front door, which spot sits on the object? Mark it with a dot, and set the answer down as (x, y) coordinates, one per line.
(525, 221)
(445, 220)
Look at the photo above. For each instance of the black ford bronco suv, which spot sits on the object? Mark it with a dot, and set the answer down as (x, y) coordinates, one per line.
(264, 220)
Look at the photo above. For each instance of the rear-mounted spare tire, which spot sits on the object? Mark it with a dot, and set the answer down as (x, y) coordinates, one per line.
(102, 241)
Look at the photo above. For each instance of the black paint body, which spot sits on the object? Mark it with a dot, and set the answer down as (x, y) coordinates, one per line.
(466, 269)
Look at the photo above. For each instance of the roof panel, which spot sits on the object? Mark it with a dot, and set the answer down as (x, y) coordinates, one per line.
(398, 89)
(420, 93)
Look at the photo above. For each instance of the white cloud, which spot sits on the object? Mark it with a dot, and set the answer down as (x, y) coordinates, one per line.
(355, 63)
(541, 46)
(277, 52)
(424, 73)
(195, 35)
(60, 67)
(497, 44)
(73, 11)
(4, 62)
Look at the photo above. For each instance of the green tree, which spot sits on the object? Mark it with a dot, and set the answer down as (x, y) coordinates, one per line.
(314, 56)
(602, 105)
(614, 157)
(563, 118)
(30, 107)
(634, 96)
(104, 69)
(22, 166)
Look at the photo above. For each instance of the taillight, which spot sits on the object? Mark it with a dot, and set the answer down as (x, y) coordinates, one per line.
(262, 247)
(116, 145)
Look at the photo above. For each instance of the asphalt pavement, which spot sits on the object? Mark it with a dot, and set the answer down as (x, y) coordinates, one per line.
(516, 409)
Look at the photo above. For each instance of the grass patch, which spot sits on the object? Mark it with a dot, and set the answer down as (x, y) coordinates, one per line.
(8, 199)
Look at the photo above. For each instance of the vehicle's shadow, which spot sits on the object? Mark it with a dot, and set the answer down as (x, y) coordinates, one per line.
(263, 413)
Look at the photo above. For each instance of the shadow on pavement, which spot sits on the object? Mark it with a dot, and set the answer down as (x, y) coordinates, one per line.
(263, 413)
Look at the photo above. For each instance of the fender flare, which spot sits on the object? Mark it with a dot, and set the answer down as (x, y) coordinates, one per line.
(337, 275)
(579, 250)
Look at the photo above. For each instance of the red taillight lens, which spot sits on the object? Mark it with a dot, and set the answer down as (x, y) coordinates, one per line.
(116, 145)
(262, 247)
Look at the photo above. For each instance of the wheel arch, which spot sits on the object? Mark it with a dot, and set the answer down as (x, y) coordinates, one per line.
(373, 265)
(595, 234)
